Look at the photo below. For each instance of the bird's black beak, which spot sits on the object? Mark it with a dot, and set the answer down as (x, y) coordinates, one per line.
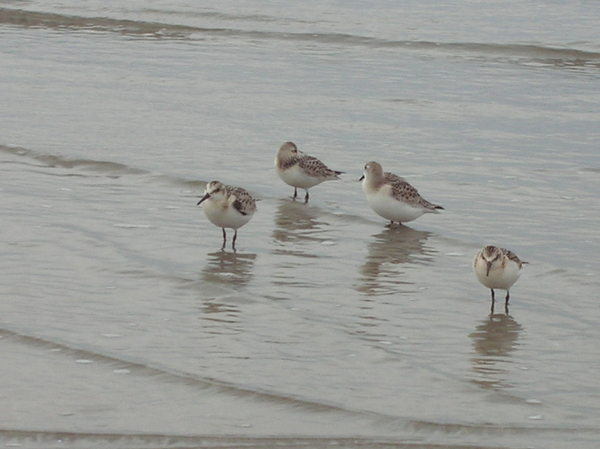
(489, 267)
(203, 198)
(362, 177)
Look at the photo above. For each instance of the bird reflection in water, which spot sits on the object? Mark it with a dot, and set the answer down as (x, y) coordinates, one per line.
(387, 253)
(230, 268)
(227, 269)
(493, 341)
(297, 222)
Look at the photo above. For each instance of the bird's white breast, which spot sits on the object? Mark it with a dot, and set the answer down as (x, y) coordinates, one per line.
(498, 277)
(224, 215)
(295, 176)
(385, 205)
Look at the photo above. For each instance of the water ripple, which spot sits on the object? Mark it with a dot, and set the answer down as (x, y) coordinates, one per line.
(523, 53)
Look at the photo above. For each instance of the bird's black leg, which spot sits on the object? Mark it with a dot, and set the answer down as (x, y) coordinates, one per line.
(234, 239)
(506, 302)
(306, 197)
(493, 301)
(224, 238)
(295, 193)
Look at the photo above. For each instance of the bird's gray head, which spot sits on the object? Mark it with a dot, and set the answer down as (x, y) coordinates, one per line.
(287, 150)
(491, 254)
(372, 169)
(214, 189)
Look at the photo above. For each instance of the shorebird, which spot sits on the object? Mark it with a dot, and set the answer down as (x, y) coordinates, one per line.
(392, 197)
(300, 170)
(497, 268)
(227, 207)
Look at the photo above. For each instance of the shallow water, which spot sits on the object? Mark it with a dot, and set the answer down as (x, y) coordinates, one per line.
(124, 324)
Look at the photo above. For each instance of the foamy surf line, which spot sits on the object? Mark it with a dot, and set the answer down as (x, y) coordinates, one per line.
(133, 226)
(90, 355)
(107, 168)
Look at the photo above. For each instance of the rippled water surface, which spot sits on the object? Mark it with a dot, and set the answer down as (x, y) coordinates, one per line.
(123, 323)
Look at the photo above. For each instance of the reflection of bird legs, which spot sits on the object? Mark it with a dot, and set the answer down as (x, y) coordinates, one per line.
(505, 302)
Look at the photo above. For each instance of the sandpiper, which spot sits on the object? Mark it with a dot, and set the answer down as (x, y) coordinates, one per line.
(301, 170)
(497, 268)
(392, 197)
(227, 207)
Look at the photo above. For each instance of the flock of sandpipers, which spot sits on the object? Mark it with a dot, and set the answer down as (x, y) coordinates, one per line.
(389, 195)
